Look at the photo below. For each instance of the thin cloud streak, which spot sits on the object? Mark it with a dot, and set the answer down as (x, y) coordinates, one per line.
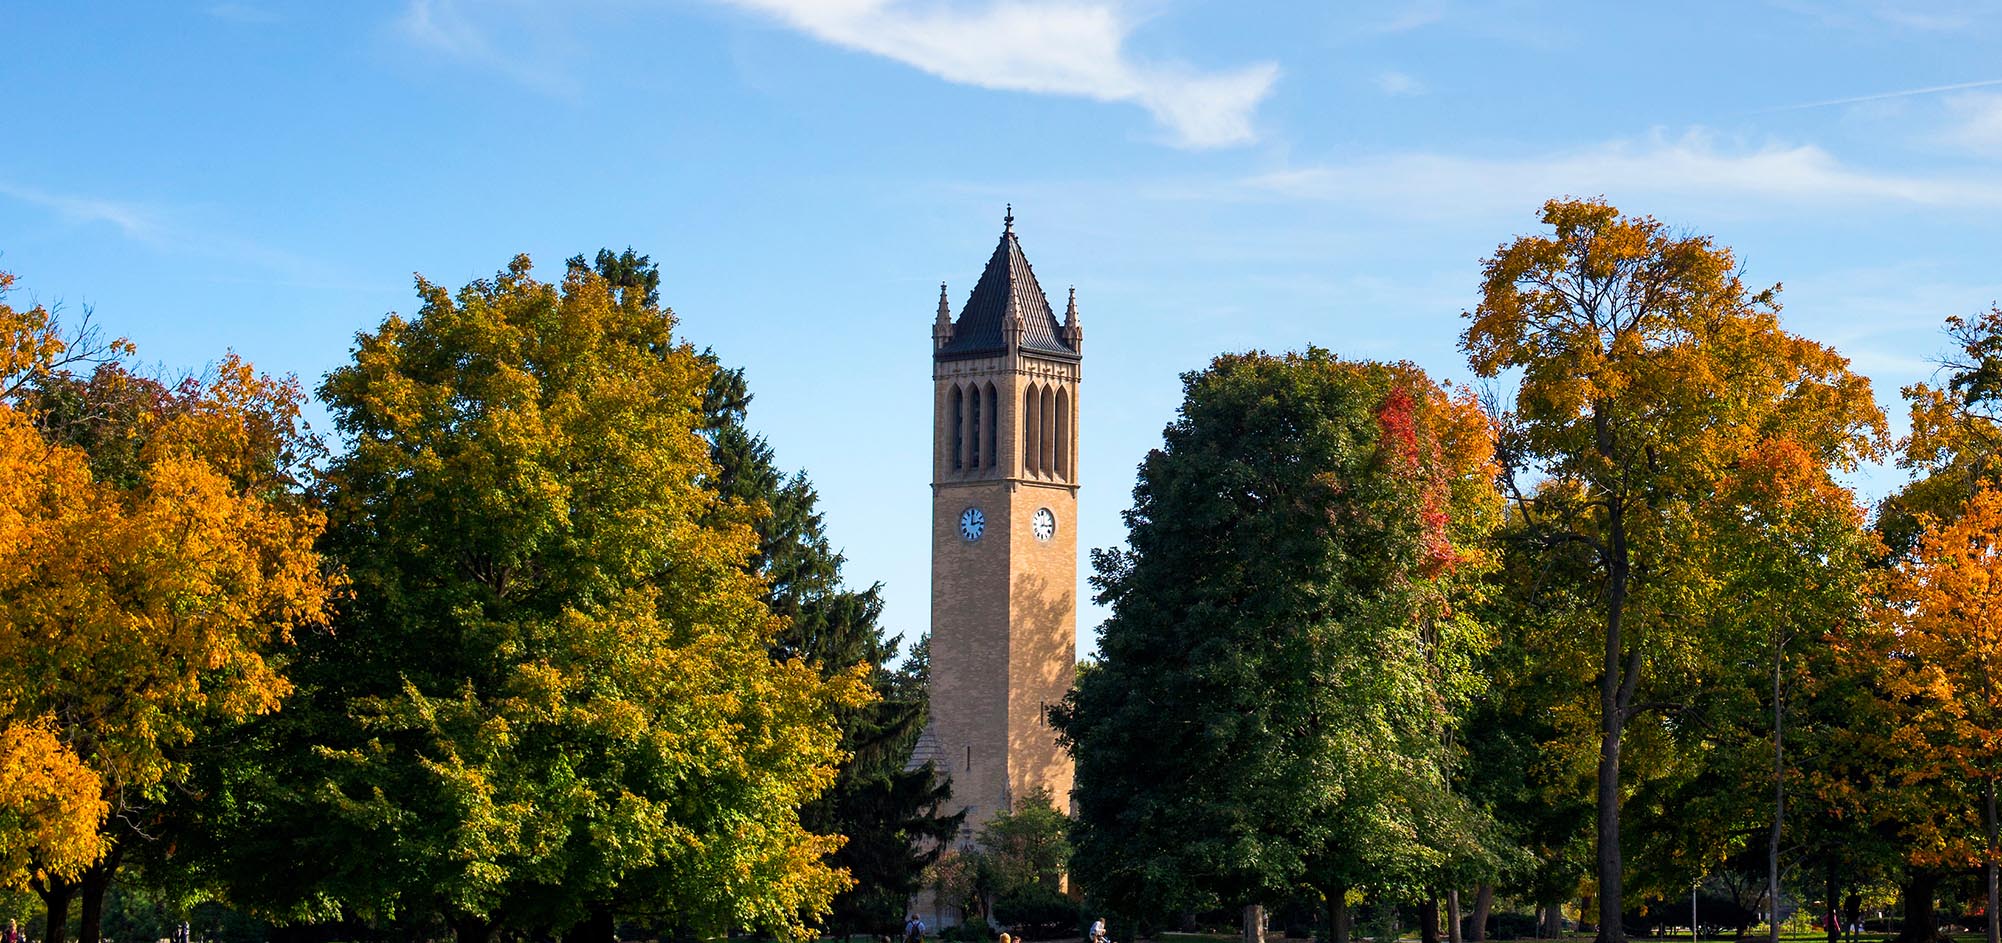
(1885, 96)
(1053, 47)
(149, 228)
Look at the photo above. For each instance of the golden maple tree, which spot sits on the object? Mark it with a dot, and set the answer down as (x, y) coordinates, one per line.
(155, 551)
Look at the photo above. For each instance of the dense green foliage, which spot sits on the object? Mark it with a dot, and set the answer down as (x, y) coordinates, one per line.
(1288, 646)
(551, 697)
(895, 820)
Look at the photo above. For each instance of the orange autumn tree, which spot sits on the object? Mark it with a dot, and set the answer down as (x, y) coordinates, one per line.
(1943, 620)
(1645, 370)
(155, 552)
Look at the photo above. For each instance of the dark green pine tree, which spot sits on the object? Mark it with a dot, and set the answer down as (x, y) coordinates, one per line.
(893, 817)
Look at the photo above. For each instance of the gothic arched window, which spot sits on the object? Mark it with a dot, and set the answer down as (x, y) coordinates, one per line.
(1032, 431)
(955, 407)
(1064, 470)
(990, 448)
(973, 427)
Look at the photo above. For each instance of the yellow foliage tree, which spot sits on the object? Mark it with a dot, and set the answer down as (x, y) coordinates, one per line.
(51, 806)
(154, 552)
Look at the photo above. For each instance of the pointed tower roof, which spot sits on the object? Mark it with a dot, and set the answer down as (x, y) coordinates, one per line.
(1007, 286)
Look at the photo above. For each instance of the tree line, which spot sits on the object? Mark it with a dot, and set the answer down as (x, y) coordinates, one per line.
(1608, 626)
(549, 646)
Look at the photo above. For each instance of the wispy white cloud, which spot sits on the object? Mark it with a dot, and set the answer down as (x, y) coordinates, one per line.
(446, 28)
(1055, 47)
(1976, 124)
(1399, 84)
(135, 221)
(1693, 167)
(1926, 16)
(161, 231)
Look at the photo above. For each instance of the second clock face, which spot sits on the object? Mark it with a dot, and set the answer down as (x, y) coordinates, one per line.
(972, 523)
(1045, 524)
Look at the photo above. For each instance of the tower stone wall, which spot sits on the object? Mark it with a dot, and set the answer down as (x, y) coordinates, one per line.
(1006, 385)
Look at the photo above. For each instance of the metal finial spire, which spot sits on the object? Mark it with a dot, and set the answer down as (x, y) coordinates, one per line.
(1008, 221)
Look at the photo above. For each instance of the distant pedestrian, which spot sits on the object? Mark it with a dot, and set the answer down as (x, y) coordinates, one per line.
(1098, 931)
(13, 934)
(181, 932)
(914, 929)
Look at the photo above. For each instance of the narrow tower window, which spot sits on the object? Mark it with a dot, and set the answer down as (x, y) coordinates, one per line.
(1064, 471)
(1032, 437)
(1050, 431)
(989, 448)
(973, 427)
(955, 407)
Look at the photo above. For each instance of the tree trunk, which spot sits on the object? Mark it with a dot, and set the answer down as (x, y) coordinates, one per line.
(56, 895)
(1779, 803)
(1921, 923)
(1428, 919)
(1484, 901)
(90, 900)
(1835, 922)
(1337, 898)
(1254, 923)
(1989, 866)
(1453, 916)
(90, 895)
(1619, 672)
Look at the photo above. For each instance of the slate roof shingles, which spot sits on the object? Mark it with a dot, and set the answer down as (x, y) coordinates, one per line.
(1007, 282)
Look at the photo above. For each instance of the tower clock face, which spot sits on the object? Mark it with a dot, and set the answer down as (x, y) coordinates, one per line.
(972, 523)
(1046, 524)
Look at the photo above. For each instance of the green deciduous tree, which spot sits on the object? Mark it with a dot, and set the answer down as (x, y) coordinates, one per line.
(552, 696)
(1289, 644)
(890, 817)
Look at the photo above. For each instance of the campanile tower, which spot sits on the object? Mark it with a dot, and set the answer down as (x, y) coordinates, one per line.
(1004, 535)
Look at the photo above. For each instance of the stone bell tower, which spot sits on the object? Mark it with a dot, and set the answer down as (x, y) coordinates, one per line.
(1004, 536)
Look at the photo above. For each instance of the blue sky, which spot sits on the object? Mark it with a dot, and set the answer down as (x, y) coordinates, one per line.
(266, 176)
